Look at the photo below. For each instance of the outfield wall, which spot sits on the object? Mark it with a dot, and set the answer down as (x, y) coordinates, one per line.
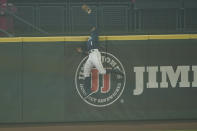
(41, 81)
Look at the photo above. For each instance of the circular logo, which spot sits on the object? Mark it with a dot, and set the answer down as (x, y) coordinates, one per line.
(105, 88)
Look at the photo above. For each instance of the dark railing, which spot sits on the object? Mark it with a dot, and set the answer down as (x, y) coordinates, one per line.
(113, 17)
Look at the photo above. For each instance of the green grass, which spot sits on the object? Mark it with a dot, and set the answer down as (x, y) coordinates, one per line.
(179, 130)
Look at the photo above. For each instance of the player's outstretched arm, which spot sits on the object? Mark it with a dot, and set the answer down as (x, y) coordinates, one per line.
(81, 50)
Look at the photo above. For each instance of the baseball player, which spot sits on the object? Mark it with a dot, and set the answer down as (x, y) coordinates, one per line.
(92, 45)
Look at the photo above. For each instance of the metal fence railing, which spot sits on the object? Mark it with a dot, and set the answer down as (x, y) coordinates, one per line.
(131, 17)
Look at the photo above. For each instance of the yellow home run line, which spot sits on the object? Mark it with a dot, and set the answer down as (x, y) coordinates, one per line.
(102, 38)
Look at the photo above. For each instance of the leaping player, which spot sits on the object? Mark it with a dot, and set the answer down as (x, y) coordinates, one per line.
(94, 59)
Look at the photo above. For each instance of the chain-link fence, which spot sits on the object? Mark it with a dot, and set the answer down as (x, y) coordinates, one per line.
(56, 18)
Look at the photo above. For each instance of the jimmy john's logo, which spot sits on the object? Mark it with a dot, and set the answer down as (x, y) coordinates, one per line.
(163, 77)
(105, 89)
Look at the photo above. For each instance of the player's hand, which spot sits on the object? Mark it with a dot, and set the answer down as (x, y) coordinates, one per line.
(79, 50)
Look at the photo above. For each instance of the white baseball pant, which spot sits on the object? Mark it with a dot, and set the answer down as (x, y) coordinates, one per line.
(94, 60)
